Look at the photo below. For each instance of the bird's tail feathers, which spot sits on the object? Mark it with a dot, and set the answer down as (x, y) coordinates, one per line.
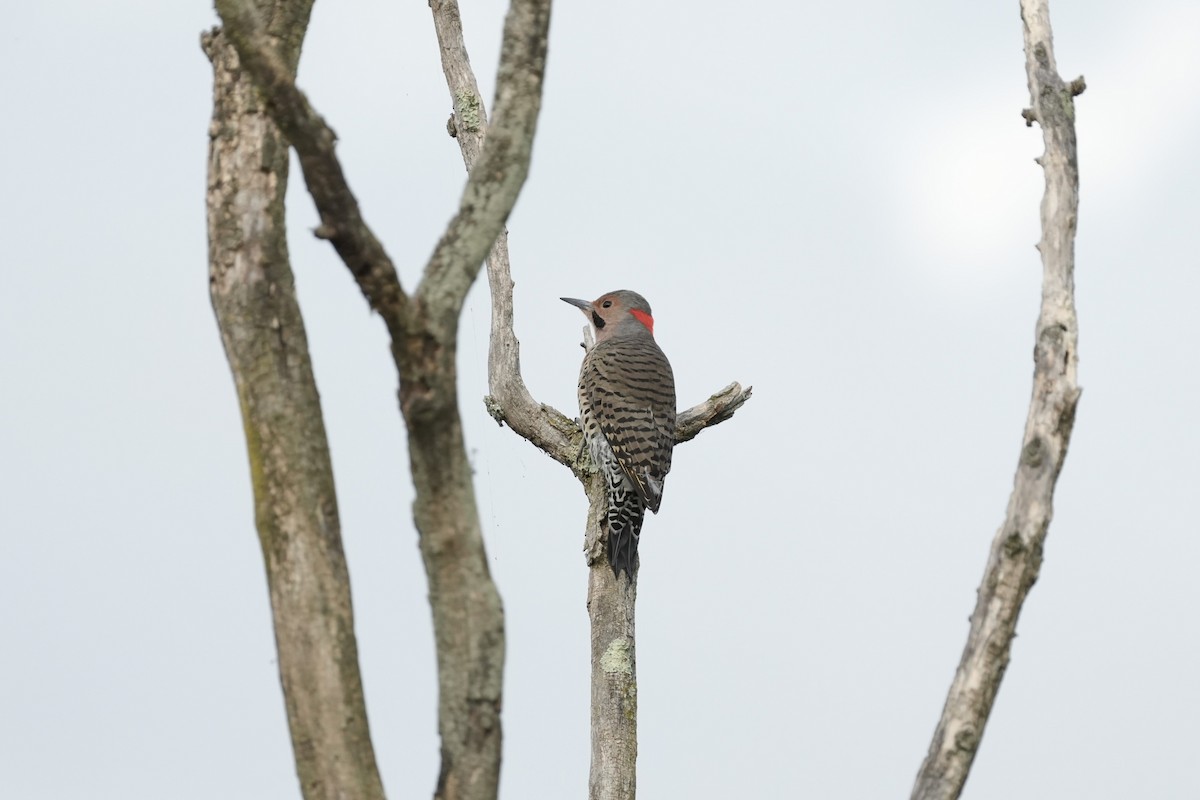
(624, 528)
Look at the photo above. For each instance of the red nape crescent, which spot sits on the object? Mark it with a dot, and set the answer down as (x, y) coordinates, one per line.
(643, 318)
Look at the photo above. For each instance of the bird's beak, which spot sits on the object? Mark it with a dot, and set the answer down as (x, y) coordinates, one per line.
(582, 305)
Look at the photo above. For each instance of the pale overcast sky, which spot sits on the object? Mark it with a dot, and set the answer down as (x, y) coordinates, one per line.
(836, 203)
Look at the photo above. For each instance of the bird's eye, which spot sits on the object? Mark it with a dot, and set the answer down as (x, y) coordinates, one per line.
(607, 304)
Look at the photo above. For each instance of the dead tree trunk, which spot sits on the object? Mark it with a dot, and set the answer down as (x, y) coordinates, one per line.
(1016, 552)
(253, 296)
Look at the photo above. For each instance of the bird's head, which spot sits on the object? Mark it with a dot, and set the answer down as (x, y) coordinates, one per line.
(616, 314)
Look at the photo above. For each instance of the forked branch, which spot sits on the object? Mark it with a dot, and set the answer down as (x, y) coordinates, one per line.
(610, 605)
(341, 221)
(467, 614)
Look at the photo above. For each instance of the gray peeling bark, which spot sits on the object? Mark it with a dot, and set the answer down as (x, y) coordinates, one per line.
(1016, 552)
(610, 605)
(254, 298)
(467, 613)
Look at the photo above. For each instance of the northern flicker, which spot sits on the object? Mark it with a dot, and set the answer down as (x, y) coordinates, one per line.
(627, 410)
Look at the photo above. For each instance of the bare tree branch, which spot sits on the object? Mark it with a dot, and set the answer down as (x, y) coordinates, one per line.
(503, 162)
(713, 411)
(510, 399)
(341, 221)
(254, 300)
(610, 605)
(1016, 552)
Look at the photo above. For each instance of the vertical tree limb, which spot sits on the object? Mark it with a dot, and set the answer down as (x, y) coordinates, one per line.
(611, 607)
(468, 617)
(1016, 552)
(254, 299)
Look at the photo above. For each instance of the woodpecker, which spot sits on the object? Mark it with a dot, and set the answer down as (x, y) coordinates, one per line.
(627, 411)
